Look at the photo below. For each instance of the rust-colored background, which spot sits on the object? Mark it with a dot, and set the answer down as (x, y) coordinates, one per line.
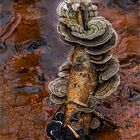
(23, 116)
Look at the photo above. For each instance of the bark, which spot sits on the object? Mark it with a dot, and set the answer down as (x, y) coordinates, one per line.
(82, 83)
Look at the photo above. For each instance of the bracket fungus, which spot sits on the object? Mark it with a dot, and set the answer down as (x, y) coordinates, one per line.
(101, 59)
(91, 73)
(58, 89)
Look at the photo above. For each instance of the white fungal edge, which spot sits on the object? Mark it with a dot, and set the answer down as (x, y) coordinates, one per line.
(113, 88)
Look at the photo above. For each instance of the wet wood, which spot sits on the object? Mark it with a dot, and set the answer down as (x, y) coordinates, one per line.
(82, 83)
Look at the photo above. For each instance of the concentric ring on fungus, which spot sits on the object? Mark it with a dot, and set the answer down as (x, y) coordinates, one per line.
(68, 13)
(100, 67)
(96, 27)
(61, 9)
(57, 100)
(107, 87)
(98, 50)
(66, 32)
(58, 87)
(101, 59)
(111, 69)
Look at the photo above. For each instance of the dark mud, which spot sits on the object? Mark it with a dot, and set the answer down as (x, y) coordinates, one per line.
(26, 70)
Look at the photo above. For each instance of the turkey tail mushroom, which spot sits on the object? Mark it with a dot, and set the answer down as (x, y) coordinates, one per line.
(100, 49)
(101, 59)
(58, 89)
(57, 100)
(111, 69)
(92, 72)
(107, 87)
(65, 31)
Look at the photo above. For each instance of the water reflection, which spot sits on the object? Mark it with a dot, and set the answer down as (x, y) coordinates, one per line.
(35, 20)
(30, 45)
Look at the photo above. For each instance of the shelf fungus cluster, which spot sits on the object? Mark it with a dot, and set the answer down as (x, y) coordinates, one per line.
(90, 73)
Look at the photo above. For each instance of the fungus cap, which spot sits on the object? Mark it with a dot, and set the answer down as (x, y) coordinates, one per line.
(111, 69)
(107, 87)
(101, 59)
(58, 87)
(57, 100)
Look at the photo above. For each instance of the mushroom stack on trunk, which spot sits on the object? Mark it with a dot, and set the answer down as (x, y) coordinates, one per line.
(90, 73)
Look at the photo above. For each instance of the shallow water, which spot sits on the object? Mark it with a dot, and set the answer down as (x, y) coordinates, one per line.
(30, 54)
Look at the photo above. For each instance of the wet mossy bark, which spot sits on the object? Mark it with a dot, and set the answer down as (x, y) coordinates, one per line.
(82, 83)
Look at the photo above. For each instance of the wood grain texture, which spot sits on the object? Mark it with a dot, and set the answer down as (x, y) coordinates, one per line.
(82, 83)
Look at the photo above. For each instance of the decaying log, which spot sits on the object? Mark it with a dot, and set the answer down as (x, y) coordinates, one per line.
(90, 74)
(82, 83)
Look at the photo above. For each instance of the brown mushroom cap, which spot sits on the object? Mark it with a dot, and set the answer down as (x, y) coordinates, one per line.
(111, 69)
(101, 59)
(66, 32)
(104, 47)
(57, 100)
(107, 87)
(58, 87)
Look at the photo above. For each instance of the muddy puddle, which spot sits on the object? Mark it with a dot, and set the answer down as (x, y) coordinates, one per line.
(30, 54)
